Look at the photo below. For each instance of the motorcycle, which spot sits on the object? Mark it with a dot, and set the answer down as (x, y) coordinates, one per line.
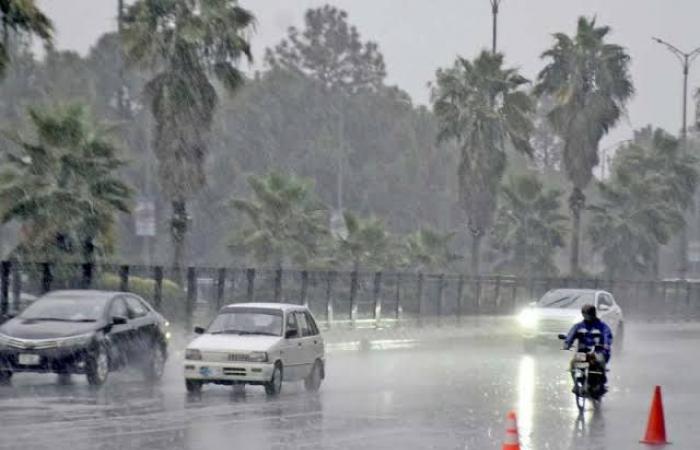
(588, 383)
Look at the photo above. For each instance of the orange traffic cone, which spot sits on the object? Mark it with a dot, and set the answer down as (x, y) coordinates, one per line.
(511, 442)
(656, 426)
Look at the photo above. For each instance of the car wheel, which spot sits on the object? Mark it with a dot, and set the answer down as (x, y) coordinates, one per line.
(274, 386)
(97, 367)
(154, 364)
(312, 383)
(5, 377)
(193, 386)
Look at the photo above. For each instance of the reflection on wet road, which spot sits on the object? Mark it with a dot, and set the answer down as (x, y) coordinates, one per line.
(452, 394)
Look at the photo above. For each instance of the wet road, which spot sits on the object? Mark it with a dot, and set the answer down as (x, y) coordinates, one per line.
(447, 395)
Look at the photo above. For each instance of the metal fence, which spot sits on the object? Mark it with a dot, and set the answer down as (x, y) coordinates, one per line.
(335, 297)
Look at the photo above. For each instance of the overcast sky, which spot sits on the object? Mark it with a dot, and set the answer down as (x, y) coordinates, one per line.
(417, 36)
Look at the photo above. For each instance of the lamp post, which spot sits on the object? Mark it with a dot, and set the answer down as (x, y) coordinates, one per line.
(494, 12)
(686, 59)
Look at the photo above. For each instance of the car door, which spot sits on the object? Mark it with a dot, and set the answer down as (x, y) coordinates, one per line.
(292, 357)
(119, 335)
(307, 344)
(316, 340)
(142, 327)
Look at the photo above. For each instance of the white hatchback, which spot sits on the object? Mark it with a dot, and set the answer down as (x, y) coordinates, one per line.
(257, 344)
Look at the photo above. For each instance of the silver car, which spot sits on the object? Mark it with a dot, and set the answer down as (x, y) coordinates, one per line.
(559, 309)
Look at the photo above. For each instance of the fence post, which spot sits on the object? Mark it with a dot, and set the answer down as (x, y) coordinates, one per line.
(46, 278)
(441, 289)
(220, 287)
(86, 282)
(191, 295)
(304, 288)
(353, 294)
(123, 278)
(250, 274)
(399, 310)
(278, 285)
(376, 293)
(419, 295)
(460, 296)
(330, 276)
(16, 285)
(158, 287)
(497, 294)
(478, 295)
(5, 267)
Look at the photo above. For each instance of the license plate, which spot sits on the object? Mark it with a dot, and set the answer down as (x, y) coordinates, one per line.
(27, 359)
(581, 365)
(206, 371)
(581, 357)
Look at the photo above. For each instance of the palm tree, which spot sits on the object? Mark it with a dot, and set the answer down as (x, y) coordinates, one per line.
(429, 250)
(590, 82)
(483, 107)
(187, 43)
(366, 244)
(286, 222)
(63, 186)
(529, 227)
(655, 180)
(21, 18)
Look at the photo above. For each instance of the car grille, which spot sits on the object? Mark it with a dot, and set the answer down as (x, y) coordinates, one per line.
(225, 357)
(27, 344)
(235, 371)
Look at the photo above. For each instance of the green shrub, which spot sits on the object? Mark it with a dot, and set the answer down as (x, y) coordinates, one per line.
(173, 303)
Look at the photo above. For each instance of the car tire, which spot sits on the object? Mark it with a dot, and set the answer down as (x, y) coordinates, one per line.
(97, 367)
(312, 383)
(274, 386)
(5, 377)
(193, 386)
(154, 363)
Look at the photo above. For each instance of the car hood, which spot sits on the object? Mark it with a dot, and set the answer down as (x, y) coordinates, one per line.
(232, 342)
(558, 313)
(45, 329)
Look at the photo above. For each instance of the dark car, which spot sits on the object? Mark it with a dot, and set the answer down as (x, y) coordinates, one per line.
(85, 332)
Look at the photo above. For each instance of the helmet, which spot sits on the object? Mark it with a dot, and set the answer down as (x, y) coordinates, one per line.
(589, 312)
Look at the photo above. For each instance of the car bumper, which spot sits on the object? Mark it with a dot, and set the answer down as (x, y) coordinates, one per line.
(64, 360)
(217, 372)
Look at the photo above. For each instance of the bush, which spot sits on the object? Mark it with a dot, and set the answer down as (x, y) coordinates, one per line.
(173, 304)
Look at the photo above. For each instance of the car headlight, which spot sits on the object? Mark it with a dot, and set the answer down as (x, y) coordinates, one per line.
(193, 354)
(76, 341)
(528, 318)
(257, 357)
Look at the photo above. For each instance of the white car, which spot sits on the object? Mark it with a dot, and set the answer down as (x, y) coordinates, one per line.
(559, 309)
(257, 344)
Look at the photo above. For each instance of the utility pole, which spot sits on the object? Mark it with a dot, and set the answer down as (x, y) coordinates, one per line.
(686, 59)
(494, 12)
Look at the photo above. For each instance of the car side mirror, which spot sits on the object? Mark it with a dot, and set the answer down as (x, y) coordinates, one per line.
(119, 320)
(199, 330)
(291, 334)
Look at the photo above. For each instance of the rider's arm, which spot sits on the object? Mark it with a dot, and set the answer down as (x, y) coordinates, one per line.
(571, 337)
(607, 337)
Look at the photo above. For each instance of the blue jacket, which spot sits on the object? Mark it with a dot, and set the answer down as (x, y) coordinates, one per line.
(597, 333)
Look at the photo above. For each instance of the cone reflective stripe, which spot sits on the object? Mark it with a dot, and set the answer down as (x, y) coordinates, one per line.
(511, 442)
(656, 426)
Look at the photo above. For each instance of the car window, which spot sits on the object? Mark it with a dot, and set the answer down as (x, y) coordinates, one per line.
(304, 329)
(247, 321)
(312, 324)
(605, 299)
(566, 299)
(136, 307)
(118, 309)
(291, 322)
(66, 308)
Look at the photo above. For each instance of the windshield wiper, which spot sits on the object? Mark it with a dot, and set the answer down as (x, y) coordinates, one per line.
(244, 333)
(57, 319)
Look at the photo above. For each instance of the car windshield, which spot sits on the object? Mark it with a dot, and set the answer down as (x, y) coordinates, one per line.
(66, 309)
(242, 321)
(566, 299)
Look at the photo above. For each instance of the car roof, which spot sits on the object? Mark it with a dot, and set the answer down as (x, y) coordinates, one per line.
(572, 290)
(278, 306)
(80, 294)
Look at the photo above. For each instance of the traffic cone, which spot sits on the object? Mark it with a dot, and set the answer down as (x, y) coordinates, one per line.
(511, 442)
(656, 426)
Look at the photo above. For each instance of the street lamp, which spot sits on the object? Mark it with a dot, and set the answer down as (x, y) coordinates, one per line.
(494, 11)
(686, 59)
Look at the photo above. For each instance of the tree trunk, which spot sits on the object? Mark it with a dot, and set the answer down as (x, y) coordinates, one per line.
(655, 262)
(476, 252)
(577, 201)
(178, 231)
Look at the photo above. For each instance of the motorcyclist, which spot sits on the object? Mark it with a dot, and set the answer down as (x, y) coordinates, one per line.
(592, 334)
